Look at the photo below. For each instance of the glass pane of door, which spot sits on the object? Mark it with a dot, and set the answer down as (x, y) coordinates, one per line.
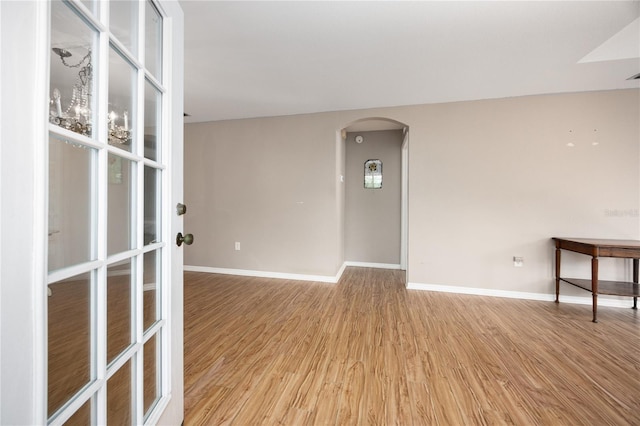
(151, 279)
(119, 226)
(73, 53)
(119, 397)
(71, 177)
(122, 90)
(119, 332)
(151, 205)
(151, 370)
(124, 23)
(69, 335)
(153, 40)
(152, 103)
(105, 322)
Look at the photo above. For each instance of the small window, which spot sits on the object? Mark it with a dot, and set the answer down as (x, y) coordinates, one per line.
(373, 174)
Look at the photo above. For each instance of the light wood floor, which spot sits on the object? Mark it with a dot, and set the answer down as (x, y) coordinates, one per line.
(368, 351)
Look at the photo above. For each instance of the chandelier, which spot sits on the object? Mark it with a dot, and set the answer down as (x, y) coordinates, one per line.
(77, 116)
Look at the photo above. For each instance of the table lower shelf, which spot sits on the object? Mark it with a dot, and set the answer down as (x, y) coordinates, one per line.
(613, 288)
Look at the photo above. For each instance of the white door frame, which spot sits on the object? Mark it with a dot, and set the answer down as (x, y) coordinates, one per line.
(174, 411)
(24, 100)
(404, 204)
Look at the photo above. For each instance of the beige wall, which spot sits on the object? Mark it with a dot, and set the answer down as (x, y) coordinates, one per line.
(269, 184)
(488, 180)
(372, 216)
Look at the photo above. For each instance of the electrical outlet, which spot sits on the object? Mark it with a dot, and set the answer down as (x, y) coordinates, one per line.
(237, 246)
(518, 261)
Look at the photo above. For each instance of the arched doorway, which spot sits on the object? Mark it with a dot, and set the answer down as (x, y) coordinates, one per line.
(373, 217)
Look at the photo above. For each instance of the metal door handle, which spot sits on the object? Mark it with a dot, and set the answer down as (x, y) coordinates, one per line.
(187, 239)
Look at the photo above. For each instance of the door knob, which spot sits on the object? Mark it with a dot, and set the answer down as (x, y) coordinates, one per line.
(187, 239)
(181, 209)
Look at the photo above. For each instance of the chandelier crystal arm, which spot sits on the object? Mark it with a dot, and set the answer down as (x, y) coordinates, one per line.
(77, 117)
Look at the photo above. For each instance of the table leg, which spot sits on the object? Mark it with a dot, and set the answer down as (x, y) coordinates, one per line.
(594, 287)
(635, 280)
(557, 275)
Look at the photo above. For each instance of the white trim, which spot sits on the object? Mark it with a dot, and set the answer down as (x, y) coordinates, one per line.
(1, 115)
(170, 409)
(153, 331)
(72, 271)
(41, 209)
(341, 271)
(373, 265)
(149, 286)
(265, 274)
(404, 201)
(99, 225)
(544, 297)
(158, 410)
(63, 414)
(137, 299)
(73, 137)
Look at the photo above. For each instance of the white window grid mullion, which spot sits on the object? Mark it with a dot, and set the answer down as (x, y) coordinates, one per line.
(99, 23)
(153, 246)
(161, 279)
(99, 340)
(68, 410)
(137, 392)
(122, 50)
(163, 364)
(154, 164)
(124, 154)
(155, 82)
(119, 257)
(137, 318)
(42, 54)
(121, 360)
(134, 200)
(72, 271)
(137, 376)
(153, 329)
(73, 137)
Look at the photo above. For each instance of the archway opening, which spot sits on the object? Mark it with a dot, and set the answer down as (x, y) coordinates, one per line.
(374, 220)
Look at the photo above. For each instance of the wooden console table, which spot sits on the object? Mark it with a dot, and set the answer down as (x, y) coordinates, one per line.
(628, 249)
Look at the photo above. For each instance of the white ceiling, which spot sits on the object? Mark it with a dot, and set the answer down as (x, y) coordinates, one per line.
(255, 59)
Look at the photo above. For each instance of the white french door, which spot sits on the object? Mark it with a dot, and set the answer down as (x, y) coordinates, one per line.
(103, 332)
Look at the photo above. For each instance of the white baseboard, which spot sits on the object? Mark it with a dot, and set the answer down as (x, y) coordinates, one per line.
(266, 274)
(622, 302)
(341, 271)
(373, 265)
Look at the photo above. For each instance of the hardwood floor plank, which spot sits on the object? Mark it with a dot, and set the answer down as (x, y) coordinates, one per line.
(350, 407)
(368, 351)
